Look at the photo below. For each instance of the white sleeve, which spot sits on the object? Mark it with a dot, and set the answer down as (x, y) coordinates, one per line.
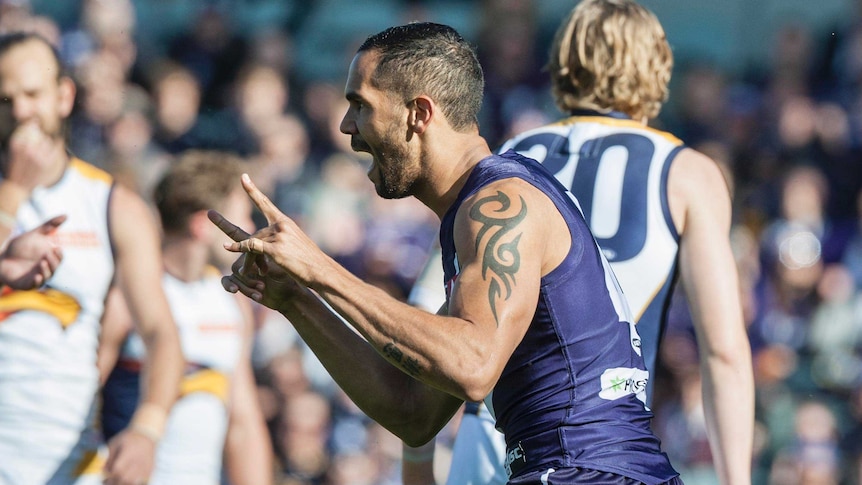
(428, 292)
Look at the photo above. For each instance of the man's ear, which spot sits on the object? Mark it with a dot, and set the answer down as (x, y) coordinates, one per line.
(421, 112)
(67, 96)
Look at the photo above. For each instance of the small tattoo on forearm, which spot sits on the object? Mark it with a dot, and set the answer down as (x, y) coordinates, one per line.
(393, 352)
(409, 364)
(500, 257)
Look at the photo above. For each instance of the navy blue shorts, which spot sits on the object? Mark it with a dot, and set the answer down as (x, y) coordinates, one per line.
(570, 476)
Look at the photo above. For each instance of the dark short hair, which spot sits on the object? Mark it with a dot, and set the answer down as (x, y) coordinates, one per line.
(13, 39)
(432, 59)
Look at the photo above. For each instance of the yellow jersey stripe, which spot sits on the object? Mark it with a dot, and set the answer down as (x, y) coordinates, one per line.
(56, 303)
(91, 464)
(207, 380)
(607, 120)
(91, 171)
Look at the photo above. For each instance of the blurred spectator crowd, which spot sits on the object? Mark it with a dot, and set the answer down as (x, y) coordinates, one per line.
(263, 79)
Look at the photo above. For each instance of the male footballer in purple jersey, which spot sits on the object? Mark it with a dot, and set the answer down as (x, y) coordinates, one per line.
(533, 312)
(656, 208)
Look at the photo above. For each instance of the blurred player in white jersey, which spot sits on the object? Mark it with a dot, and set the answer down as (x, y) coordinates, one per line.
(49, 334)
(217, 413)
(657, 209)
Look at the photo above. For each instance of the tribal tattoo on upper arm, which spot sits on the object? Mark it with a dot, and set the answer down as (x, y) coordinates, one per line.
(500, 254)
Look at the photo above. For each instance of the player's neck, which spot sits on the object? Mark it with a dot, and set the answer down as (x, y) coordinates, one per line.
(449, 172)
(184, 258)
(53, 173)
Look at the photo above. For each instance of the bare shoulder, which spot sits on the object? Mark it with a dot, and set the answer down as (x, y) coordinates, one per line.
(124, 198)
(511, 189)
(130, 217)
(509, 214)
(696, 183)
(506, 202)
(694, 172)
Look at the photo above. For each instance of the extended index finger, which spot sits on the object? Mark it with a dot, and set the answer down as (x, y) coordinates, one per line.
(229, 228)
(269, 210)
(237, 234)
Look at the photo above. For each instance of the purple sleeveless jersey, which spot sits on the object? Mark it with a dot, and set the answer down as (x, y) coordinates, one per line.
(572, 393)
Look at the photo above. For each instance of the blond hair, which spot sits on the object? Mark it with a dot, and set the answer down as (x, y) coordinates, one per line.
(611, 55)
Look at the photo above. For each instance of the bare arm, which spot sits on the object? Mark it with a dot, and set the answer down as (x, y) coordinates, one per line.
(403, 405)
(248, 451)
(417, 464)
(711, 284)
(116, 325)
(461, 354)
(139, 265)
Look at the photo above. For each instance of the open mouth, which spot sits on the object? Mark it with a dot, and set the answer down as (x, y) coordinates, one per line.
(359, 146)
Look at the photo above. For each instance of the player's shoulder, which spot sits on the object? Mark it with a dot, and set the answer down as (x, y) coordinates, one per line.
(90, 172)
(698, 179)
(506, 202)
(695, 167)
(129, 213)
(503, 189)
(125, 199)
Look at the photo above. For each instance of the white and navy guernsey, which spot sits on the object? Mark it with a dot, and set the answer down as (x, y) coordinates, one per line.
(618, 170)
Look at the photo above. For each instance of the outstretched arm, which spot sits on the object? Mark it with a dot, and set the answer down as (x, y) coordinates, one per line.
(450, 358)
(711, 284)
(388, 395)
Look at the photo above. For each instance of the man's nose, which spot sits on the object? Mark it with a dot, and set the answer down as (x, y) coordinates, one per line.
(21, 108)
(347, 126)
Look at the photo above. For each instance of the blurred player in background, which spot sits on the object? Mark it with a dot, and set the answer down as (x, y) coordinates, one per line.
(49, 335)
(218, 413)
(657, 209)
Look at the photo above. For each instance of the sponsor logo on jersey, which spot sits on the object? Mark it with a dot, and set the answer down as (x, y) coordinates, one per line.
(217, 327)
(635, 338)
(79, 239)
(622, 381)
(515, 459)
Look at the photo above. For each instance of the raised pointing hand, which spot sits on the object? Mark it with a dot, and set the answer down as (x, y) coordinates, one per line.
(243, 242)
(271, 255)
